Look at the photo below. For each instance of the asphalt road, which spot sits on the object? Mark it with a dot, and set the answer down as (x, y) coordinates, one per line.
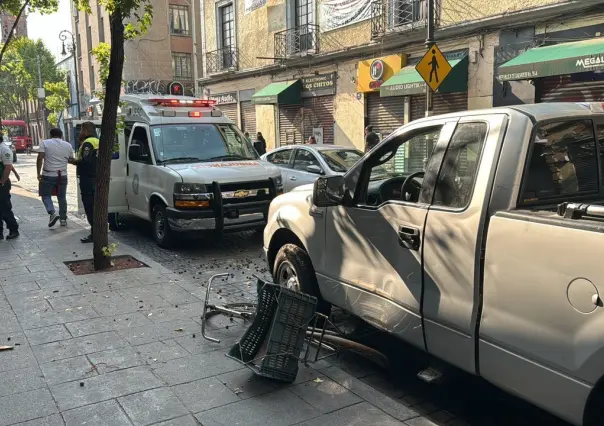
(460, 399)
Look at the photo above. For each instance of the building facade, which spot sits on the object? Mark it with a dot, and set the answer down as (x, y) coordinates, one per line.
(295, 68)
(168, 52)
(6, 23)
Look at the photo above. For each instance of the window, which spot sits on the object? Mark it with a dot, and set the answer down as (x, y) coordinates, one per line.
(458, 173)
(280, 158)
(408, 12)
(303, 18)
(304, 159)
(91, 77)
(179, 20)
(181, 65)
(227, 34)
(101, 28)
(141, 139)
(562, 163)
(89, 37)
(405, 156)
(79, 45)
(340, 161)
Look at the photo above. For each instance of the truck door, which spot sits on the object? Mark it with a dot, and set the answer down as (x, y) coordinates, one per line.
(373, 261)
(453, 238)
(139, 170)
(117, 181)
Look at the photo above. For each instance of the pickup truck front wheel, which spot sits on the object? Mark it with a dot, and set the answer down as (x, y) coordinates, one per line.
(293, 269)
(162, 234)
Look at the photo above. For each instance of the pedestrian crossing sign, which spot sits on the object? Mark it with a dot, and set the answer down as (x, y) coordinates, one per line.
(433, 68)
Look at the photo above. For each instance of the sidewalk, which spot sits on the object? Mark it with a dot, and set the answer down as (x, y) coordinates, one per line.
(125, 348)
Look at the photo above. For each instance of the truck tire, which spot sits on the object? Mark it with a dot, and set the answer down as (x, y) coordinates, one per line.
(115, 223)
(293, 269)
(162, 234)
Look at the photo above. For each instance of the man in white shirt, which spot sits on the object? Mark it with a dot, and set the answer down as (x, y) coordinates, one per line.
(53, 156)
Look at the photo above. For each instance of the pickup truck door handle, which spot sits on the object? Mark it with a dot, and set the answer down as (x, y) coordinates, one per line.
(292, 178)
(127, 170)
(409, 237)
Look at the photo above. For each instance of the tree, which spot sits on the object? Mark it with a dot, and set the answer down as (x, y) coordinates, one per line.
(57, 100)
(138, 13)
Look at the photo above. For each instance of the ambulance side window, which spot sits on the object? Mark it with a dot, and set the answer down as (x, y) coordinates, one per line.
(139, 137)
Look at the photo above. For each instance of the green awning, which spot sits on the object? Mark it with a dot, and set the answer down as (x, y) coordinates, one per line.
(408, 81)
(283, 92)
(559, 59)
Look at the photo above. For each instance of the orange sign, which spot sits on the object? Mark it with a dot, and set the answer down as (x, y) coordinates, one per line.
(373, 72)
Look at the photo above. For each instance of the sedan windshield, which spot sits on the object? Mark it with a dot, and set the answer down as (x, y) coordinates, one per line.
(188, 143)
(340, 160)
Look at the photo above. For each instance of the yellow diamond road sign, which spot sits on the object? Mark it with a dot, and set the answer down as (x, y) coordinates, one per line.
(434, 68)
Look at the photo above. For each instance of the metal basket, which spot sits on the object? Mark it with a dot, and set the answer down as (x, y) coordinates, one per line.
(272, 345)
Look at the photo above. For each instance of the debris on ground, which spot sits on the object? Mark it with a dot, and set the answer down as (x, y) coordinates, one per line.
(179, 329)
(6, 348)
(318, 380)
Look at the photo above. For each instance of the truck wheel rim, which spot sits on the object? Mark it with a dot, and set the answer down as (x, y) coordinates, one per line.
(286, 276)
(160, 225)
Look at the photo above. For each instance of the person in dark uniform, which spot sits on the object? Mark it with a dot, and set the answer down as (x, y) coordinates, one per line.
(6, 207)
(371, 138)
(86, 170)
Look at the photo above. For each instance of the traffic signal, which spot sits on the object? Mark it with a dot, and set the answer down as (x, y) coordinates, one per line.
(176, 89)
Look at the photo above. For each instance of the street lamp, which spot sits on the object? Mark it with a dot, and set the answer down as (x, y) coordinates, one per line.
(63, 37)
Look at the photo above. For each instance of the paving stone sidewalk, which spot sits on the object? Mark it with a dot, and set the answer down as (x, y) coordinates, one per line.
(125, 348)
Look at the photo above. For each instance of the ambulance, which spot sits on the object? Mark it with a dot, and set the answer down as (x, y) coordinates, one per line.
(184, 166)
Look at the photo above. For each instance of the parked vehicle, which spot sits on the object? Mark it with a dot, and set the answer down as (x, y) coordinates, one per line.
(17, 131)
(446, 235)
(303, 164)
(184, 166)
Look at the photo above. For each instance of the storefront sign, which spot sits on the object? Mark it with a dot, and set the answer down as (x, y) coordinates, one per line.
(317, 132)
(405, 89)
(251, 5)
(225, 98)
(372, 73)
(319, 85)
(340, 13)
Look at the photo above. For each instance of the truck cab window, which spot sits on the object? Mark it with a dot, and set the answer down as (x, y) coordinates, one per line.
(563, 162)
(140, 138)
(397, 174)
(458, 173)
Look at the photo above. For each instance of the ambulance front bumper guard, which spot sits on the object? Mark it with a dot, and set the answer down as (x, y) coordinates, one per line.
(228, 210)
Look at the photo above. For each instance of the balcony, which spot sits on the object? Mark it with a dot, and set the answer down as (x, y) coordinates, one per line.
(388, 16)
(298, 41)
(222, 60)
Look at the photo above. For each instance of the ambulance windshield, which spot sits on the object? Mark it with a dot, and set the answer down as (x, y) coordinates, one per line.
(189, 143)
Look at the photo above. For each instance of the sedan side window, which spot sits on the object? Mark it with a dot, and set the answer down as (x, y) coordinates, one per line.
(280, 158)
(304, 159)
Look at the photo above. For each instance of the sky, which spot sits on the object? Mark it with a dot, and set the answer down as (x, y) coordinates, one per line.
(48, 27)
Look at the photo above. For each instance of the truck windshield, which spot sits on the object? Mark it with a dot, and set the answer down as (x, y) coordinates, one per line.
(189, 143)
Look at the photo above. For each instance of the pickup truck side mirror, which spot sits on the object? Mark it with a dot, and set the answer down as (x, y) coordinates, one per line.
(315, 169)
(134, 152)
(328, 191)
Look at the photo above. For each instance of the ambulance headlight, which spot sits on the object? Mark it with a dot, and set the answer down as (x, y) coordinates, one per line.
(189, 188)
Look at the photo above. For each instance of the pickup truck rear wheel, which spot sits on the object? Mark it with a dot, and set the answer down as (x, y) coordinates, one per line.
(293, 269)
(162, 234)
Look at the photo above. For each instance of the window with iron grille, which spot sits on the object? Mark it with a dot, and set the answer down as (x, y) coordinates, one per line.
(179, 20)
(181, 65)
(408, 12)
(227, 34)
(304, 18)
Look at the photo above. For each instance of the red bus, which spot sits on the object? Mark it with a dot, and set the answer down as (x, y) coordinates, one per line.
(17, 132)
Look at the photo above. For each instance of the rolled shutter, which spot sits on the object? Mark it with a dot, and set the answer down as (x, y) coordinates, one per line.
(445, 103)
(569, 88)
(418, 107)
(318, 112)
(290, 125)
(385, 114)
(230, 110)
(248, 118)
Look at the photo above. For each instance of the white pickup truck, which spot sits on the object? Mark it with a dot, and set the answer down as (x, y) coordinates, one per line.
(447, 235)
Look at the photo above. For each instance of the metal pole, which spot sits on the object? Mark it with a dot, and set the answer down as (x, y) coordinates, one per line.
(429, 44)
(42, 100)
(77, 77)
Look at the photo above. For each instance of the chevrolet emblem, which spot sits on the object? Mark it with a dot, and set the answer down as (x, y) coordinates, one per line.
(242, 193)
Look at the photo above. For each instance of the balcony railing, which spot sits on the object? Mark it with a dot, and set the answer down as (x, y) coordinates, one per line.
(300, 40)
(221, 60)
(400, 15)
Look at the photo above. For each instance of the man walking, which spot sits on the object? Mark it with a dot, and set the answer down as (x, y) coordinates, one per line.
(53, 155)
(86, 169)
(6, 208)
(371, 138)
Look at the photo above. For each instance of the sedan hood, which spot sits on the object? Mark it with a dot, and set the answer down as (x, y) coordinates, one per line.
(226, 171)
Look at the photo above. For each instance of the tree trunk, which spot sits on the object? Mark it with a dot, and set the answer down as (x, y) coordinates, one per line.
(108, 130)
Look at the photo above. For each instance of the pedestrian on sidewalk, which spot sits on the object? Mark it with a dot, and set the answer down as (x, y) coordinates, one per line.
(311, 140)
(260, 144)
(53, 156)
(371, 138)
(86, 169)
(6, 207)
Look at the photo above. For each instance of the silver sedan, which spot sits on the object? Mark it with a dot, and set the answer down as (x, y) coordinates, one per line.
(303, 164)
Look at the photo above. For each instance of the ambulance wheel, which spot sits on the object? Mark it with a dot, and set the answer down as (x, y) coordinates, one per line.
(115, 222)
(162, 234)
